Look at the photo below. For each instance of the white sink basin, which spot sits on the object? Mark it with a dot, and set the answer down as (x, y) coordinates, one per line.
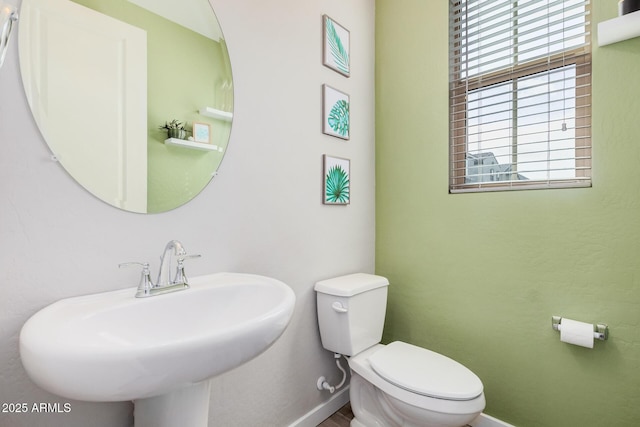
(114, 347)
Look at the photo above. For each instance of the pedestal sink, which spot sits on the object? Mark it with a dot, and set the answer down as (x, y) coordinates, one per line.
(160, 351)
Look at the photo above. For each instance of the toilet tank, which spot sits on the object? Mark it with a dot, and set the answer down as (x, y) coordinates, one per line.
(351, 311)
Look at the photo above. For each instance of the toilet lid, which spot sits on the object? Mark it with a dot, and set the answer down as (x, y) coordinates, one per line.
(425, 372)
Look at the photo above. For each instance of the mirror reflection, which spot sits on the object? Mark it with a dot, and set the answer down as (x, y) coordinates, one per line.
(109, 80)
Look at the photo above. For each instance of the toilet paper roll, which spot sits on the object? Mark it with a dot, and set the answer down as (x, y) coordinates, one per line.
(577, 333)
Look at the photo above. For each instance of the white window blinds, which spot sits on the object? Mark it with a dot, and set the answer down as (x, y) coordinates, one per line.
(520, 94)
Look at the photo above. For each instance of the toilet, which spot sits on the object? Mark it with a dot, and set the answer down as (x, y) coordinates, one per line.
(398, 384)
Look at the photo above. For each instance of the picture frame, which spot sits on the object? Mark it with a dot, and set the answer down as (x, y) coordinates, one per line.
(336, 53)
(336, 117)
(336, 188)
(202, 132)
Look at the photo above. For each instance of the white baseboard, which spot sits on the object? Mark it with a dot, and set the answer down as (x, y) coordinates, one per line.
(338, 400)
(485, 420)
(324, 410)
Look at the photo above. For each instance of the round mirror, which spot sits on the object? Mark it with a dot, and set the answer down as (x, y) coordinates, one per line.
(134, 97)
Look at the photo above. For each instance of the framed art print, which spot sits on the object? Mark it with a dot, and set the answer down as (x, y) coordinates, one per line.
(336, 189)
(336, 120)
(201, 132)
(336, 47)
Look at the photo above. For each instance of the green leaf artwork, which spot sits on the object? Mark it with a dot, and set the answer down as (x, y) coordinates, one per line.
(337, 185)
(338, 118)
(339, 53)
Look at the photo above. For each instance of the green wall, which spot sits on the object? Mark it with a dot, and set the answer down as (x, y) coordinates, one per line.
(184, 68)
(478, 276)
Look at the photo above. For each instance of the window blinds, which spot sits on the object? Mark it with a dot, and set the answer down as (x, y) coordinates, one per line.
(520, 85)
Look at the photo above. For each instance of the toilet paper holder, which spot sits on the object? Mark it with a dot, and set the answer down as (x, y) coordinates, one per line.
(600, 330)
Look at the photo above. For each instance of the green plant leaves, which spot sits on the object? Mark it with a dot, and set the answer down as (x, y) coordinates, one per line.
(338, 52)
(337, 185)
(338, 118)
(173, 124)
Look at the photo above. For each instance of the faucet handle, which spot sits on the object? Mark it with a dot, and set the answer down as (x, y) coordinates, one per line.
(181, 277)
(145, 285)
(132, 263)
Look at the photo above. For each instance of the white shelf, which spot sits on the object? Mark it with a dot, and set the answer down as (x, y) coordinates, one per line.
(216, 114)
(193, 145)
(615, 30)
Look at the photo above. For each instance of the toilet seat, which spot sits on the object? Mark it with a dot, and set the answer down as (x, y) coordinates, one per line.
(361, 366)
(425, 372)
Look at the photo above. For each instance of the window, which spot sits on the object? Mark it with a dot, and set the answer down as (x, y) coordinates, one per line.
(520, 94)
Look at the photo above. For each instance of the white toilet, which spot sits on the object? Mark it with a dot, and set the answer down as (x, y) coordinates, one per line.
(398, 384)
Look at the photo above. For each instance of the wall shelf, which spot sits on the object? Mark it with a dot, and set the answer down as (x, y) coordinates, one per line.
(615, 30)
(193, 145)
(216, 114)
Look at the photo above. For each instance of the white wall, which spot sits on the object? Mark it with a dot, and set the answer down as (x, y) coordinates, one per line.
(262, 214)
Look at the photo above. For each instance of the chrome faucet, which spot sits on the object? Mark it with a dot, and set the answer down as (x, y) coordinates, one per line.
(165, 283)
(164, 275)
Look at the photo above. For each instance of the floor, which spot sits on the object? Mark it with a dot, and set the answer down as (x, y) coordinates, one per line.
(342, 418)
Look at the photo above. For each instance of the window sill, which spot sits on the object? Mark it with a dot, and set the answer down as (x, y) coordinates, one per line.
(537, 185)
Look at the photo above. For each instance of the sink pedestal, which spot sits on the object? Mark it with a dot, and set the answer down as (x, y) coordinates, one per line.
(184, 407)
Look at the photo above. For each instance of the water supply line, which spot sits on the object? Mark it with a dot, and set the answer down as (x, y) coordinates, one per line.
(323, 384)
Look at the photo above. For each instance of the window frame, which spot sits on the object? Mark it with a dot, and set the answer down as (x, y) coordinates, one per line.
(460, 86)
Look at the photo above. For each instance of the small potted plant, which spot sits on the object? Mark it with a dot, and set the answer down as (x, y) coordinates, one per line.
(175, 129)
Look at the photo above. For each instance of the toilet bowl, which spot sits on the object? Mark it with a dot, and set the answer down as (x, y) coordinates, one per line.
(441, 393)
(392, 385)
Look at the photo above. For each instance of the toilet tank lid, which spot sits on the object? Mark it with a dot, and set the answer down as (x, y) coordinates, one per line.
(351, 284)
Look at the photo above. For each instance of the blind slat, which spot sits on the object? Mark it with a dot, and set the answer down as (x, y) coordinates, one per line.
(466, 32)
(475, 50)
(515, 9)
(472, 8)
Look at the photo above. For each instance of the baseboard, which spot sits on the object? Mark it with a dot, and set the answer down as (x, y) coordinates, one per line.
(338, 400)
(324, 410)
(484, 420)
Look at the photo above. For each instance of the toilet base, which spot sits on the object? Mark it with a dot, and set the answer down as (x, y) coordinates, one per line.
(356, 423)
